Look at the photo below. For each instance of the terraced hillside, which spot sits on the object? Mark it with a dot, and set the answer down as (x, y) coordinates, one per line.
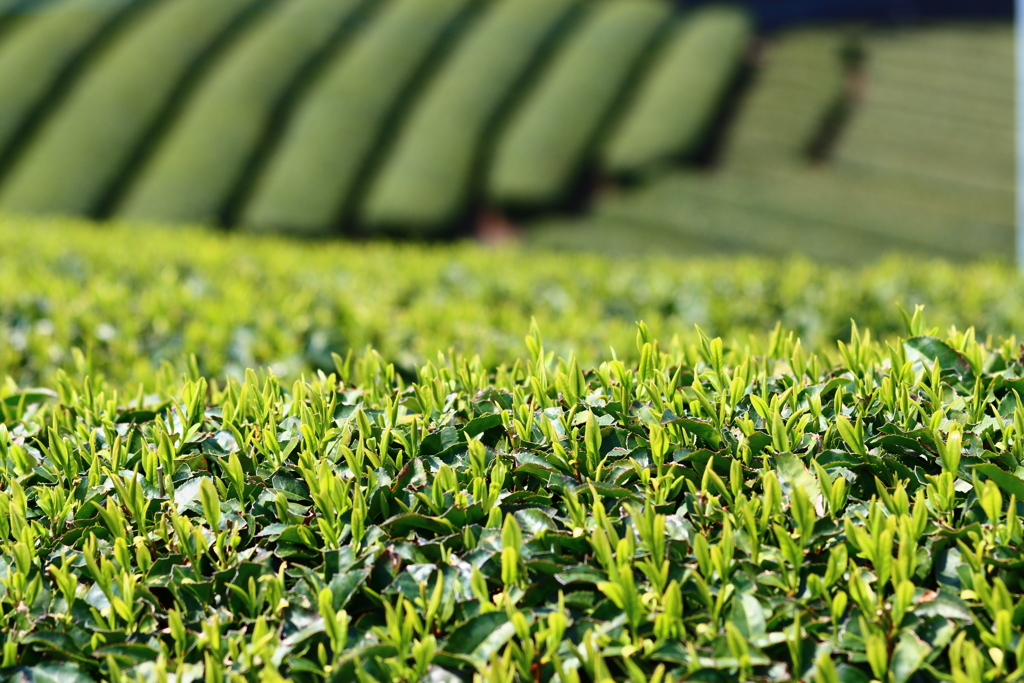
(923, 161)
(674, 129)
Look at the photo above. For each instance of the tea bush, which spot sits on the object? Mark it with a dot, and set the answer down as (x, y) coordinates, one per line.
(800, 83)
(330, 149)
(549, 141)
(80, 158)
(133, 297)
(681, 93)
(430, 175)
(38, 60)
(706, 513)
(214, 147)
(432, 118)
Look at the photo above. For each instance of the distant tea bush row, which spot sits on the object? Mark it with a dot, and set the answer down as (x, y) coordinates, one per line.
(88, 150)
(210, 150)
(318, 116)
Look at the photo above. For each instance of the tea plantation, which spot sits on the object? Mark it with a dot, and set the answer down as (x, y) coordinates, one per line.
(608, 124)
(231, 455)
(237, 458)
(924, 161)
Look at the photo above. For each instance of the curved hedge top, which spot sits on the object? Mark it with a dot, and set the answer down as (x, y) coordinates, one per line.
(799, 86)
(79, 157)
(205, 156)
(311, 182)
(11, 10)
(681, 93)
(549, 140)
(36, 57)
(263, 301)
(428, 179)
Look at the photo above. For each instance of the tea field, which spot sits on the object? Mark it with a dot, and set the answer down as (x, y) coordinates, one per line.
(609, 125)
(315, 116)
(135, 298)
(237, 458)
(922, 161)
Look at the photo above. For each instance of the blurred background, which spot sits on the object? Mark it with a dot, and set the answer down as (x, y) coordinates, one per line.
(838, 129)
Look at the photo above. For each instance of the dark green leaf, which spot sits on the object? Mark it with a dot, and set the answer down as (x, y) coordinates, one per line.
(1006, 481)
(930, 349)
(481, 636)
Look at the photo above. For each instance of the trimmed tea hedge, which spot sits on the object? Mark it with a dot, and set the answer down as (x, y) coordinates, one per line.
(708, 514)
(801, 81)
(39, 61)
(205, 159)
(81, 157)
(13, 11)
(10, 9)
(427, 182)
(680, 96)
(313, 180)
(785, 209)
(893, 179)
(240, 301)
(695, 509)
(549, 141)
(916, 120)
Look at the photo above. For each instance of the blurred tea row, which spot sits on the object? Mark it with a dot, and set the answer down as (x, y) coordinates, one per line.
(599, 124)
